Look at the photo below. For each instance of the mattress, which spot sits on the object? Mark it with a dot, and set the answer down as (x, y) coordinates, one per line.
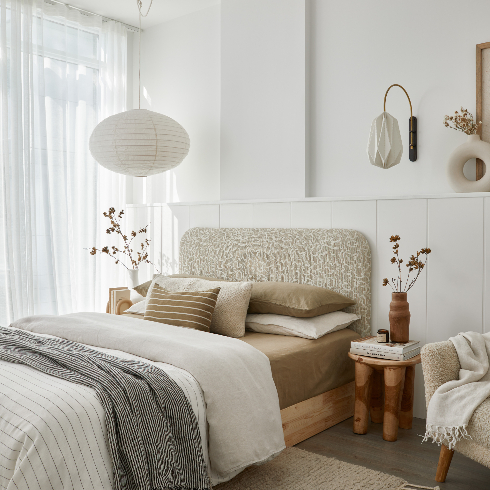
(304, 368)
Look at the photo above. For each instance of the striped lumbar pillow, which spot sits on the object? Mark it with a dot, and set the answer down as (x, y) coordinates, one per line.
(191, 309)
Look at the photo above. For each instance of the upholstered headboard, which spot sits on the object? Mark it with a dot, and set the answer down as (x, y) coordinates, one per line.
(336, 259)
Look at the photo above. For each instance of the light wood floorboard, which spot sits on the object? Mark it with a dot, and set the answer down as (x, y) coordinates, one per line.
(406, 458)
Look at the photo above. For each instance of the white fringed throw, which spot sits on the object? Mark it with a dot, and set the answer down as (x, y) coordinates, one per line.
(452, 405)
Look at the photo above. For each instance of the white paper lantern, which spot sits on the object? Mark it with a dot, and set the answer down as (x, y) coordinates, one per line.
(139, 143)
(385, 147)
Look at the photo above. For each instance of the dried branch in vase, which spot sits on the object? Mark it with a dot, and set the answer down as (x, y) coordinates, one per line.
(462, 122)
(135, 257)
(415, 265)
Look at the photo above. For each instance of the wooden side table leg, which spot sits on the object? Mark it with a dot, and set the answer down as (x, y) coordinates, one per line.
(394, 380)
(445, 457)
(364, 375)
(377, 397)
(406, 410)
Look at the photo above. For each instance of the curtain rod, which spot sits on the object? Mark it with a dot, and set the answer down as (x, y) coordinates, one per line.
(128, 26)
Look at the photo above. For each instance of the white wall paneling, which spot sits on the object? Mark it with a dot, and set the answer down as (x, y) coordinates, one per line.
(455, 272)
(236, 215)
(272, 215)
(311, 214)
(137, 218)
(361, 216)
(407, 218)
(205, 215)
(451, 296)
(179, 219)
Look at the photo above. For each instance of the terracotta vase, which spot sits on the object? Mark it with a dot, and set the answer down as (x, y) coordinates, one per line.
(399, 318)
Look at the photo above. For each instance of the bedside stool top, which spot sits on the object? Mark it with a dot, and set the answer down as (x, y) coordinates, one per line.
(374, 361)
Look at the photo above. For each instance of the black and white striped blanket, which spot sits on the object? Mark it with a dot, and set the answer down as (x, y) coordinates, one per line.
(154, 440)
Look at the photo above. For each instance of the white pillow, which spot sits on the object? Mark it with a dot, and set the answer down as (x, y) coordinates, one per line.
(231, 307)
(138, 308)
(307, 328)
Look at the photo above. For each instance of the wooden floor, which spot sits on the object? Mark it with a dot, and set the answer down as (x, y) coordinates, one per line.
(406, 458)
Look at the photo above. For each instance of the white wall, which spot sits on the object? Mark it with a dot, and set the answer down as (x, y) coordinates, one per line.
(180, 77)
(358, 50)
(278, 95)
(263, 106)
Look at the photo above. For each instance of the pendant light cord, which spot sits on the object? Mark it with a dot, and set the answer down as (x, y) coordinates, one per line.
(140, 6)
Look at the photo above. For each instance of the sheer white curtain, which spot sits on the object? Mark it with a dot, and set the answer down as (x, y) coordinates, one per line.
(61, 72)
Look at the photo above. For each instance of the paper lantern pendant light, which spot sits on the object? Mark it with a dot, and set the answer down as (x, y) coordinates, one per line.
(385, 146)
(139, 143)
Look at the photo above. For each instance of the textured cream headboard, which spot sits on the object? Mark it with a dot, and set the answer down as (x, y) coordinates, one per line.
(336, 259)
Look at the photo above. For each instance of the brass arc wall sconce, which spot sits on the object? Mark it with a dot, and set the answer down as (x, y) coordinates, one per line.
(385, 146)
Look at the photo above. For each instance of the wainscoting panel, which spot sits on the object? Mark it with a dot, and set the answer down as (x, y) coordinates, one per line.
(452, 294)
(407, 218)
(206, 216)
(311, 214)
(236, 216)
(455, 271)
(272, 215)
(361, 216)
(136, 219)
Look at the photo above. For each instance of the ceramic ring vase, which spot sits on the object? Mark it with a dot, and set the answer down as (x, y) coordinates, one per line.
(473, 148)
(399, 318)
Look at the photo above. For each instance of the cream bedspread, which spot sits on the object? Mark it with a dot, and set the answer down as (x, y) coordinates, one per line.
(242, 407)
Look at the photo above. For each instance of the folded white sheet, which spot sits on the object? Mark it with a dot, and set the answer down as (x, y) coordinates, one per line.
(307, 328)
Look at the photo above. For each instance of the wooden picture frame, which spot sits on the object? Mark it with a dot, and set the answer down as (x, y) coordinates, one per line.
(482, 86)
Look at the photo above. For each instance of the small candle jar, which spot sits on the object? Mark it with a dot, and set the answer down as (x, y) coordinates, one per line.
(383, 336)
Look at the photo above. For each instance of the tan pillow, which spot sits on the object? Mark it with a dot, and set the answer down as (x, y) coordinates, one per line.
(143, 288)
(290, 298)
(298, 300)
(231, 307)
(183, 309)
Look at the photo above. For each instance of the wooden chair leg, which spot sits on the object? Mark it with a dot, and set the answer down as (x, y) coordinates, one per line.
(377, 398)
(445, 457)
(364, 375)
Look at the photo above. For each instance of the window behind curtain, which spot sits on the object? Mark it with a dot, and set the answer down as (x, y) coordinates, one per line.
(54, 189)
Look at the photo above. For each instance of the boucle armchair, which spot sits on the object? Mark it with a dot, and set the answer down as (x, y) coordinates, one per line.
(440, 364)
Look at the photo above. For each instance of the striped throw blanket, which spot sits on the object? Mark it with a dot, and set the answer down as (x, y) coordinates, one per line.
(154, 440)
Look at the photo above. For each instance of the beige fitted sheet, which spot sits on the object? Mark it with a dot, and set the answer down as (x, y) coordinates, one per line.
(304, 368)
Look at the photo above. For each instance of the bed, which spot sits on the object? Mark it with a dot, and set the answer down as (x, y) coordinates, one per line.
(314, 378)
(303, 403)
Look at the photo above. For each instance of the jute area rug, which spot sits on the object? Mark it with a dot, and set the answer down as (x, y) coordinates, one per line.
(295, 469)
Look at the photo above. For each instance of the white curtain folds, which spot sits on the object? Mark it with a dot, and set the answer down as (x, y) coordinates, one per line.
(61, 72)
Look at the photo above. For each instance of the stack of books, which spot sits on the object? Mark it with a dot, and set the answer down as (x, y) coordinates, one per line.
(115, 295)
(394, 351)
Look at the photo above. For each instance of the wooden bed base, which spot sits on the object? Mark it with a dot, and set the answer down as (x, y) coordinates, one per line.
(307, 418)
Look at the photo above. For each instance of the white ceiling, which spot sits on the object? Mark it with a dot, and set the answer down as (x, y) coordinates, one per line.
(127, 11)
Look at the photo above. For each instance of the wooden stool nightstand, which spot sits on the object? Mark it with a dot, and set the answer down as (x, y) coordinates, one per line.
(397, 408)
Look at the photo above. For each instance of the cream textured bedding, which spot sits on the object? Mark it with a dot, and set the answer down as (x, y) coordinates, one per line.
(242, 407)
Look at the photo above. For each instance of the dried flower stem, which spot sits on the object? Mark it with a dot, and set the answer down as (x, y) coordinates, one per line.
(462, 122)
(136, 258)
(414, 264)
